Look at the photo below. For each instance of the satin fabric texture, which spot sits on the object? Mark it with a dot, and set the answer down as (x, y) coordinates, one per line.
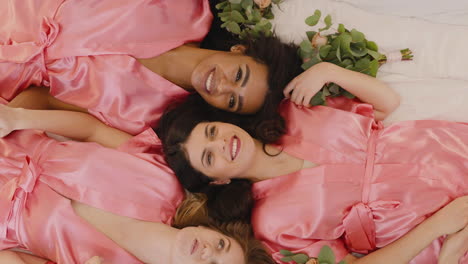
(372, 184)
(39, 176)
(85, 51)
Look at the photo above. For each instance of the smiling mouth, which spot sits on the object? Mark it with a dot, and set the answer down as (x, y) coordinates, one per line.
(235, 147)
(209, 82)
(194, 247)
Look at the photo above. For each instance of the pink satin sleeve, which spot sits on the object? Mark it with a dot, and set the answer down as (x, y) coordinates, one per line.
(116, 89)
(351, 105)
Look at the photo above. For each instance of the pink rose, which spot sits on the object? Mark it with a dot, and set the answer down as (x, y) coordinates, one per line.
(263, 3)
(319, 40)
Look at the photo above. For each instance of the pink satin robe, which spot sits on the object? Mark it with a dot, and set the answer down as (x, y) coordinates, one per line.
(85, 51)
(372, 184)
(39, 176)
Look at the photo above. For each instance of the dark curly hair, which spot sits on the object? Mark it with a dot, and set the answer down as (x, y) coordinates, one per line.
(225, 202)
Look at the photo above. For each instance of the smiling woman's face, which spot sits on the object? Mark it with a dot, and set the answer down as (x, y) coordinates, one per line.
(220, 151)
(201, 245)
(231, 81)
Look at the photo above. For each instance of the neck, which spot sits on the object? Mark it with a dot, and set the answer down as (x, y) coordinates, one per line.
(268, 167)
(178, 64)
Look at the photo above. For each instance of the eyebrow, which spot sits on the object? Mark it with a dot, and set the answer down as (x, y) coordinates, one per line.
(240, 99)
(247, 75)
(204, 150)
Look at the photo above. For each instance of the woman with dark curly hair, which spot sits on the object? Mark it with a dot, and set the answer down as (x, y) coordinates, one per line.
(325, 175)
(125, 61)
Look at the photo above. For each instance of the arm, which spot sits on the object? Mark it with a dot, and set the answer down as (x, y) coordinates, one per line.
(39, 98)
(13, 257)
(75, 125)
(447, 220)
(368, 89)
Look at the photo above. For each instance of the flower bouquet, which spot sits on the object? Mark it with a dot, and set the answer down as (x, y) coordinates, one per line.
(247, 17)
(346, 48)
(326, 256)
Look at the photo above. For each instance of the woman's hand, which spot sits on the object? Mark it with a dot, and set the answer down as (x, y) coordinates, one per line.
(453, 217)
(9, 120)
(302, 88)
(455, 247)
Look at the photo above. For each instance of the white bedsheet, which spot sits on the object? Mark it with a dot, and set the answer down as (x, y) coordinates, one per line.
(432, 86)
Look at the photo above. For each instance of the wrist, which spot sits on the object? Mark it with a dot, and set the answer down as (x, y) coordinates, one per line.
(18, 115)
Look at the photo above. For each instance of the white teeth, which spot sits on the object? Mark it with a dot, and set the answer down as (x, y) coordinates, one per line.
(208, 81)
(234, 148)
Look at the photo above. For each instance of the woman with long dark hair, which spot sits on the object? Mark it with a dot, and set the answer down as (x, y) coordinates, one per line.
(323, 175)
(125, 61)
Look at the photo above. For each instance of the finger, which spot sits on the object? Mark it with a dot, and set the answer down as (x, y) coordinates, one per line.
(289, 88)
(307, 99)
(295, 95)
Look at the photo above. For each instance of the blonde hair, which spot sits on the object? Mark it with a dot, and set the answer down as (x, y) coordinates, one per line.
(192, 211)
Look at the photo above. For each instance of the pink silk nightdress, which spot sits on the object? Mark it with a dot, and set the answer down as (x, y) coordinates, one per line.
(372, 184)
(85, 51)
(39, 176)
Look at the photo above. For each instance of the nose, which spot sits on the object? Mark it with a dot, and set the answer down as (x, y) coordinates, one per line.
(219, 144)
(226, 86)
(207, 252)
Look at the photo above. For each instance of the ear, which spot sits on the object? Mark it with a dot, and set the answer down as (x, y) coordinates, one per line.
(238, 48)
(221, 182)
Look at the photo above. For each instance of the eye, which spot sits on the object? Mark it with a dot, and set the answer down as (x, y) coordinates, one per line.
(209, 158)
(212, 131)
(232, 101)
(239, 75)
(221, 244)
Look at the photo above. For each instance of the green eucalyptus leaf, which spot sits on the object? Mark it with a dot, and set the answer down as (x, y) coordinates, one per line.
(374, 54)
(325, 91)
(326, 255)
(338, 54)
(269, 15)
(222, 5)
(334, 89)
(224, 19)
(362, 64)
(306, 46)
(237, 6)
(286, 259)
(324, 50)
(358, 49)
(373, 68)
(310, 34)
(237, 16)
(257, 16)
(314, 19)
(233, 27)
(286, 253)
(328, 23)
(223, 25)
(300, 258)
(235, 1)
(246, 4)
(269, 33)
(372, 46)
(347, 94)
(277, 1)
(224, 14)
(342, 262)
(357, 36)
(317, 99)
(341, 28)
(346, 62)
(313, 60)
